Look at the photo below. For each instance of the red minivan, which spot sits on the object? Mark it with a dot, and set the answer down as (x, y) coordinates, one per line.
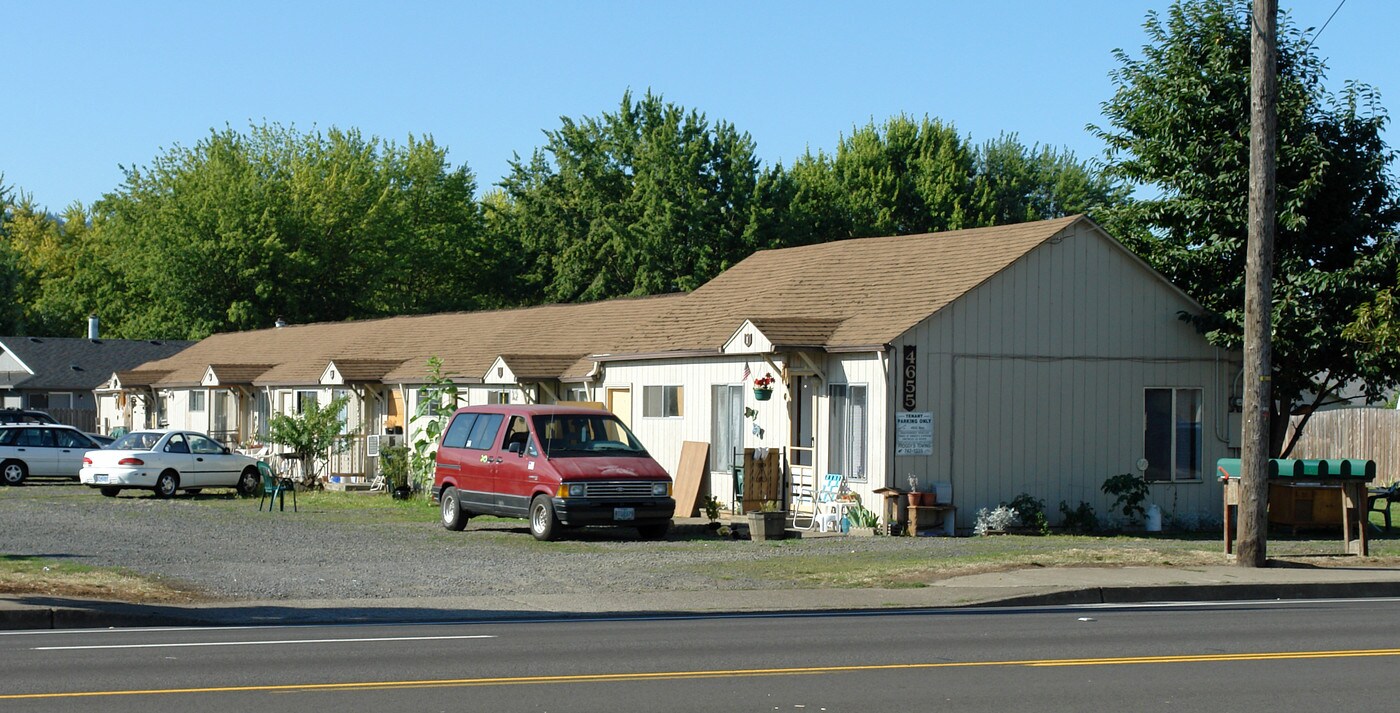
(558, 466)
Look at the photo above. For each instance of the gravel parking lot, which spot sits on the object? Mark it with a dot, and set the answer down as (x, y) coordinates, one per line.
(223, 547)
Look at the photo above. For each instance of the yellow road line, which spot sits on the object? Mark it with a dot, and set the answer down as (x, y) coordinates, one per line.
(720, 673)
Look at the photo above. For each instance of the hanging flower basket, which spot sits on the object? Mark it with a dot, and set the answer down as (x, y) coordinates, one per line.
(763, 387)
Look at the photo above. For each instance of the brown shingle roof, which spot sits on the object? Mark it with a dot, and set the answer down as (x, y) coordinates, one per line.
(467, 342)
(877, 288)
(797, 332)
(140, 377)
(230, 374)
(534, 367)
(365, 369)
(847, 294)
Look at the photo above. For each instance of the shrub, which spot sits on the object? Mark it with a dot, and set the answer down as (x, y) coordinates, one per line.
(997, 520)
(1131, 491)
(1031, 511)
(1079, 520)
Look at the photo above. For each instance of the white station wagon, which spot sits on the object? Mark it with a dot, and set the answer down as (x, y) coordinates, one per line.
(168, 461)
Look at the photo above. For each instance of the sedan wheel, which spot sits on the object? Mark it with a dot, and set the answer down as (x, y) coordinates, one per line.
(110, 491)
(248, 482)
(167, 484)
(13, 472)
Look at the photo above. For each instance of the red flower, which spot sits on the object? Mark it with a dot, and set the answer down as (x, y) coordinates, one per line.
(764, 382)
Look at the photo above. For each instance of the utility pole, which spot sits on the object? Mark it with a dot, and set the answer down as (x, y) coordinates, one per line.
(1252, 549)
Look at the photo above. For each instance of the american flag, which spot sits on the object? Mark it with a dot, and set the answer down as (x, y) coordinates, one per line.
(745, 377)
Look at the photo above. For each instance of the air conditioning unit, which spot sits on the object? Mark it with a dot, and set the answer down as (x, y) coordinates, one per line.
(374, 443)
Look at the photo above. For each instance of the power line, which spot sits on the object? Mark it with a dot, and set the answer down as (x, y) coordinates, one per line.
(1324, 26)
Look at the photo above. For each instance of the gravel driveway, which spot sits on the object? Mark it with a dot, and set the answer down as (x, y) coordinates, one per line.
(227, 549)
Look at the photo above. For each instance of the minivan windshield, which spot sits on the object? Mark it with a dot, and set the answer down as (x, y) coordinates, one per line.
(582, 435)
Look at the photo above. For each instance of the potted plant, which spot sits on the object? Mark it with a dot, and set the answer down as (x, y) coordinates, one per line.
(711, 505)
(763, 387)
(393, 464)
(863, 520)
(768, 523)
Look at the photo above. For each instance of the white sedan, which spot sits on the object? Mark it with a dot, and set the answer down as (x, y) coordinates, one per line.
(166, 461)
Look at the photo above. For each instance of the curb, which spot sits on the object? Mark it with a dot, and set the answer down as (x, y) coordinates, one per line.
(117, 614)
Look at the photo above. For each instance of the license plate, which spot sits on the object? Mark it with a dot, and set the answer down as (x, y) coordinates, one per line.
(99, 478)
(624, 513)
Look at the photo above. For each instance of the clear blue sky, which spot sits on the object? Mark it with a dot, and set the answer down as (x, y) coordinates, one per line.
(91, 85)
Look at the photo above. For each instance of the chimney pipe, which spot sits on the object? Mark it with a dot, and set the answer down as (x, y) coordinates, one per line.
(280, 323)
(92, 326)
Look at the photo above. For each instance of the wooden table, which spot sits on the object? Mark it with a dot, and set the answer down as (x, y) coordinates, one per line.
(927, 517)
(1353, 511)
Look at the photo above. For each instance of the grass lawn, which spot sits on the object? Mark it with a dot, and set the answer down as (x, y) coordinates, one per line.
(812, 563)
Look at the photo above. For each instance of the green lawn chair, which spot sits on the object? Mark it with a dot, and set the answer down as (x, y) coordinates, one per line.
(274, 489)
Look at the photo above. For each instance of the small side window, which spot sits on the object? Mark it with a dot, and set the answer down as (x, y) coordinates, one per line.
(484, 431)
(7, 436)
(459, 431)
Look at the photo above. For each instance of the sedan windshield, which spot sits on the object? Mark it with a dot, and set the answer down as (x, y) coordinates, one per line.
(580, 435)
(136, 441)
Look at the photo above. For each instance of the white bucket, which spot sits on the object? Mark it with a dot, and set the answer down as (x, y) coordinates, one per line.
(1154, 518)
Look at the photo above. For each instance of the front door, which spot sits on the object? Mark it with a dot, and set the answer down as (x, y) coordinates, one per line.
(620, 403)
(802, 454)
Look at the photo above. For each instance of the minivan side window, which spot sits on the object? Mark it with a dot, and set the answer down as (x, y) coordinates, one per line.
(457, 433)
(484, 431)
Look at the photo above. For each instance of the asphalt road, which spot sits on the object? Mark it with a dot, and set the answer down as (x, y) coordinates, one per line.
(1240, 657)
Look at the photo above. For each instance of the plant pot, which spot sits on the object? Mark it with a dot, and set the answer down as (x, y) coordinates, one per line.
(762, 394)
(767, 525)
(402, 492)
(862, 532)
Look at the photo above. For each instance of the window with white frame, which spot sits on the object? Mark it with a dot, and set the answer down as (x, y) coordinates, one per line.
(1171, 431)
(196, 401)
(497, 396)
(305, 398)
(662, 401)
(343, 416)
(576, 393)
(263, 406)
(727, 428)
(849, 427)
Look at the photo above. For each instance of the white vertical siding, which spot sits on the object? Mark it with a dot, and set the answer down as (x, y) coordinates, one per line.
(1036, 380)
(663, 436)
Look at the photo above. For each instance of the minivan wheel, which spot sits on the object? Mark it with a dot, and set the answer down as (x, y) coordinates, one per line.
(13, 472)
(452, 516)
(543, 524)
(167, 484)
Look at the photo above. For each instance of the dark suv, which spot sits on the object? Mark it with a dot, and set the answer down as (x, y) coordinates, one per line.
(14, 415)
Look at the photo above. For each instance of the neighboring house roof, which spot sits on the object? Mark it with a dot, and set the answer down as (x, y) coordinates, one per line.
(856, 294)
(72, 364)
(466, 342)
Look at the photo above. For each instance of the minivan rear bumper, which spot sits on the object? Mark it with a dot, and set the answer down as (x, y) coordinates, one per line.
(595, 511)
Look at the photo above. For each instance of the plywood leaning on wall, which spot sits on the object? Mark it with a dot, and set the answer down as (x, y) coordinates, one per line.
(690, 476)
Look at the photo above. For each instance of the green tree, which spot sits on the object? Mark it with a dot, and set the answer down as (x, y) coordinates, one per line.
(311, 435)
(912, 175)
(242, 228)
(436, 404)
(1178, 127)
(651, 198)
(11, 275)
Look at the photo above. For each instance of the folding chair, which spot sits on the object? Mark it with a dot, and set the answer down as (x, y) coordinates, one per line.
(830, 508)
(274, 489)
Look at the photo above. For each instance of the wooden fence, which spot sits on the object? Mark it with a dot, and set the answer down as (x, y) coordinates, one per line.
(1372, 433)
(83, 419)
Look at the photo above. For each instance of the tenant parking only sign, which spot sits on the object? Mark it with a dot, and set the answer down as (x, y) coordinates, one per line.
(911, 373)
(913, 434)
